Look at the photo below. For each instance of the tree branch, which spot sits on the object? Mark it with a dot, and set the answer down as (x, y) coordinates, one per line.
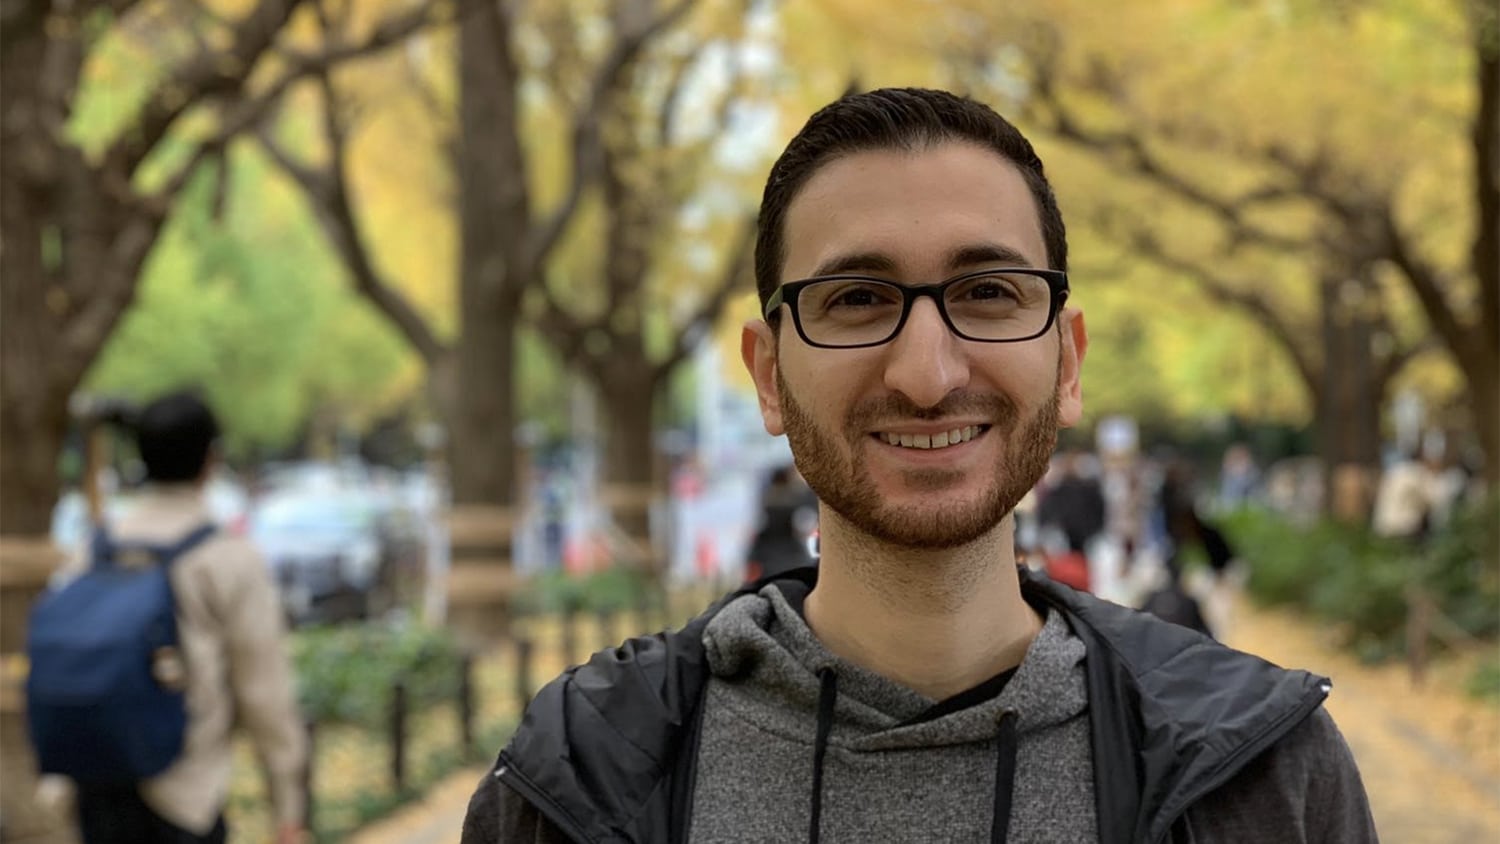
(1485, 141)
(1144, 244)
(1428, 285)
(206, 74)
(174, 97)
(1048, 106)
(567, 333)
(327, 191)
(631, 36)
(253, 111)
(732, 275)
(86, 330)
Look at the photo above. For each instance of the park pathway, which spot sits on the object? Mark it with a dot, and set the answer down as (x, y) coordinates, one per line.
(1430, 757)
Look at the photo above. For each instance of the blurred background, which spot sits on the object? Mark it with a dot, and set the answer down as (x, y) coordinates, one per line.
(464, 281)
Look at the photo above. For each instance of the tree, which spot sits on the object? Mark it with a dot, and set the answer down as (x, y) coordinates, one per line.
(251, 308)
(677, 239)
(1308, 181)
(504, 173)
(1327, 127)
(79, 220)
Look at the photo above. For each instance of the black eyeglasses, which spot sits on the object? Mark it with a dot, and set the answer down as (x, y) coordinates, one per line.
(1006, 305)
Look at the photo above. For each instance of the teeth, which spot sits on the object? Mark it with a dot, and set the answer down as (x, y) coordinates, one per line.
(942, 440)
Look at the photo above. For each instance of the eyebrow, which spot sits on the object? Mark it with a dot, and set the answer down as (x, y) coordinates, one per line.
(856, 262)
(986, 253)
(964, 256)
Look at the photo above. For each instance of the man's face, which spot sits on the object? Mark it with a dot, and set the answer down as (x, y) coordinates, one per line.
(917, 218)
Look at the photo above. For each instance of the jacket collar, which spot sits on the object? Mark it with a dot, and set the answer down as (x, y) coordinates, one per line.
(606, 751)
(1173, 713)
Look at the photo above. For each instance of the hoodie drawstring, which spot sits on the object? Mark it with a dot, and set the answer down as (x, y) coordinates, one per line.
(827, 695)
(1005, 778)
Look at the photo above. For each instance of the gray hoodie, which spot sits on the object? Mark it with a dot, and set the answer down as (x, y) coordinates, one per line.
(889, 772)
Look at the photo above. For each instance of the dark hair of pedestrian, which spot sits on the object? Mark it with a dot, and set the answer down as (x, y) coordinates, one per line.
(909, 119)
(174, 435)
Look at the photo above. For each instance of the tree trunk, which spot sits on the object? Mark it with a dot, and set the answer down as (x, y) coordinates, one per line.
(479, 405)
(494, 212)
(30, 424)
(1484, 409)
(1349, 403)
(631, 479)
(1483, 369)
(30, 445)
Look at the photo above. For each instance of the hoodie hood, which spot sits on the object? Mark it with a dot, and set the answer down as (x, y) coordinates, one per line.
(762, 644)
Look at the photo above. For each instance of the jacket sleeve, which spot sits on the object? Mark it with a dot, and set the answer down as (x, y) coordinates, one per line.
(1306, 788)
(260, 674)
(498, 814)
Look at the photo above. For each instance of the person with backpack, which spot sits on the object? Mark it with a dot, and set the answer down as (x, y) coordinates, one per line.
(152, 646)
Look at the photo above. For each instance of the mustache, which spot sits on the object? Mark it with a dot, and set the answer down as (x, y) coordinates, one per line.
(869, 414)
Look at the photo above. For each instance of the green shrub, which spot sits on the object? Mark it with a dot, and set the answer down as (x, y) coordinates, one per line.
(1282, 570)
(1462, 565)
(345, 674)
(1485, 682)
(1344, 576)
(612, 589)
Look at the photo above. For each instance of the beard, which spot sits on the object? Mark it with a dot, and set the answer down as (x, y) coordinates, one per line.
(843, 482)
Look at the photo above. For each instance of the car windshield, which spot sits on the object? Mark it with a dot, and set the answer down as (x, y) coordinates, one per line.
(312, 517)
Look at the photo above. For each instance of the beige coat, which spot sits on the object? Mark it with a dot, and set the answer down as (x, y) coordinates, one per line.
(239, 674)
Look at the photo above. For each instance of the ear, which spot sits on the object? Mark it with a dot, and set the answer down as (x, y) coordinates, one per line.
(758, 350)
(1075, 343)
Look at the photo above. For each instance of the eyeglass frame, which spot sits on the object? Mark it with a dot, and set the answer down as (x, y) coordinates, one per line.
(1057, 289)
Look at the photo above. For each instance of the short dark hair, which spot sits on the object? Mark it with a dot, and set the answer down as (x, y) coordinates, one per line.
(174, 435)
(894, 118)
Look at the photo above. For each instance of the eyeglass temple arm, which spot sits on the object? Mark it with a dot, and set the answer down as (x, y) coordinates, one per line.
(773, 303)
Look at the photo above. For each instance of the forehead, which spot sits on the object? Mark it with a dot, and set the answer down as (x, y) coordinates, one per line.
(917, 211)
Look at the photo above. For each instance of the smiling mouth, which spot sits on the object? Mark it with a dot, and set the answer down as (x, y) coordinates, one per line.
(945, 439)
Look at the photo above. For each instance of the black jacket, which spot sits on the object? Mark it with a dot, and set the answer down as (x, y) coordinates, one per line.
(607, 752)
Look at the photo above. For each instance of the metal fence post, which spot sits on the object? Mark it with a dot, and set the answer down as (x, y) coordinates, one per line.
(310, 729)
(466, 704)
(524, 651)
(398, 736)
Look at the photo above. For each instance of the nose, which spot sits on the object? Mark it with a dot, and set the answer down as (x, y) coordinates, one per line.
(926, 361)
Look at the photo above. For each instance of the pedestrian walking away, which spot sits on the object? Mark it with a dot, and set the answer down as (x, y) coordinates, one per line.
(226, 665)
(918, 348)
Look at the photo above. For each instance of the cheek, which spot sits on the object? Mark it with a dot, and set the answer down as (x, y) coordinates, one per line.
(827, 389)
(1028, 375)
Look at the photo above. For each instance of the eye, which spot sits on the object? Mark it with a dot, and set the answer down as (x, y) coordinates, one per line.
(854, 298)
(854, 295)
(986, 288)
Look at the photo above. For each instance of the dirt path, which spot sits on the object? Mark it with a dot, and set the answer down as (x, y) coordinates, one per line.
(1430, 758)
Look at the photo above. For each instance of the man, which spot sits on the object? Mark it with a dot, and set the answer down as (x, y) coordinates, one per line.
(233, 648)
(917, 353)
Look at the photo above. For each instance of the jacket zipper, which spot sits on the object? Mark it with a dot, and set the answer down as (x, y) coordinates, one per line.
(513, 778)
(1251, 750)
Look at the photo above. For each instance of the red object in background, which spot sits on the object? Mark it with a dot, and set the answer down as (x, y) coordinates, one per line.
(1070, 569)
(707, 555)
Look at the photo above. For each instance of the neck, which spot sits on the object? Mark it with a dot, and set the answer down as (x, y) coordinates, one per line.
(936, 621)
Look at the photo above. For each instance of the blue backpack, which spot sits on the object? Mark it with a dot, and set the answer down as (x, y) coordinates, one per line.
(104, 694)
